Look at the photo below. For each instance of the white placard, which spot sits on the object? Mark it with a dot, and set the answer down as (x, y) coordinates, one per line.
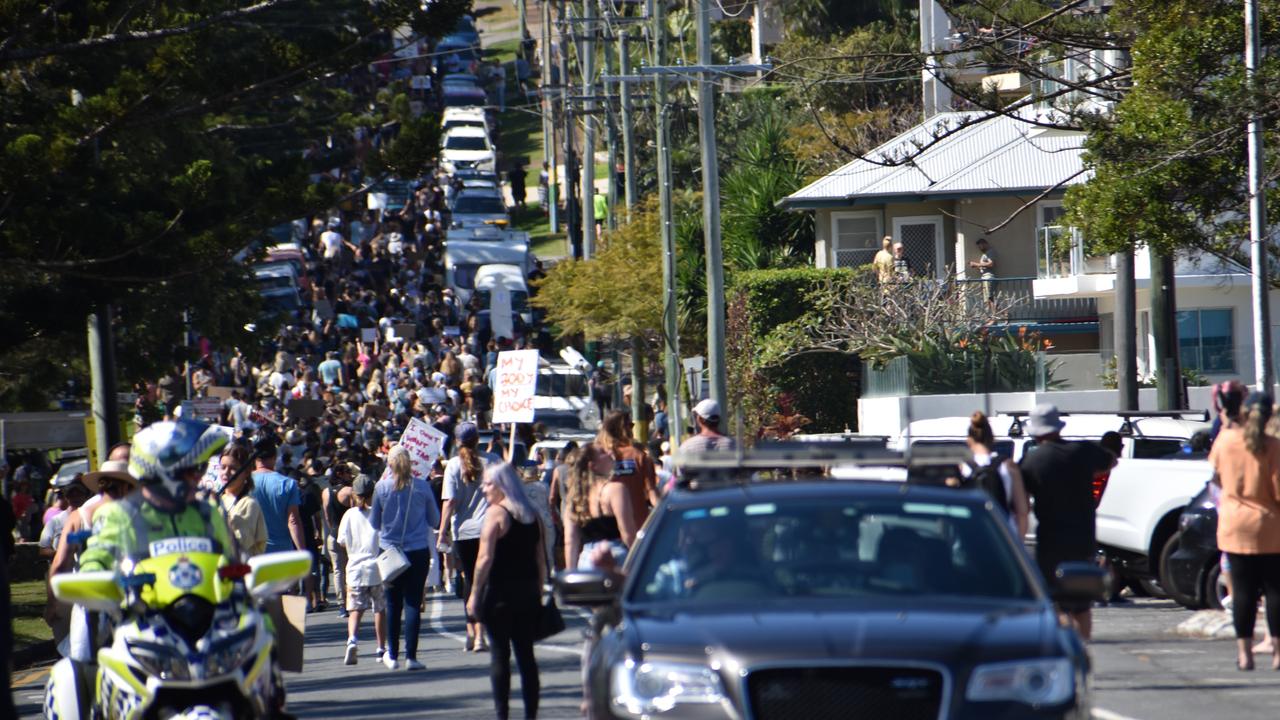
(376, 201)
(500, 311)
(517, 383)
(425, 444)
(369, 334)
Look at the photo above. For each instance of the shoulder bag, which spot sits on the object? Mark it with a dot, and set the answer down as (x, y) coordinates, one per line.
(392, 561)
(550, 621)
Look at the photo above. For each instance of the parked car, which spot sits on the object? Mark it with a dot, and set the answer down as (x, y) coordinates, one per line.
(473, 207)
(751, 598)
(476, 117)
(467, 147)
(1139, 501)
(1192, 572)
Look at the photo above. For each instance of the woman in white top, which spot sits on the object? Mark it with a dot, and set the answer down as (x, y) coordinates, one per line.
(982, 444)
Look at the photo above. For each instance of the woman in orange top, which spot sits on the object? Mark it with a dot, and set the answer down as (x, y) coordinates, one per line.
(1247, 462)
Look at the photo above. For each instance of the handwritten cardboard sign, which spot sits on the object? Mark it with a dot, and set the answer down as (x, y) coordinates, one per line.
(517, 383)
(425, 444)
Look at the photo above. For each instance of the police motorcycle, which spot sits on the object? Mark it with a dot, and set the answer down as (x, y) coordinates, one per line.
(190, 638)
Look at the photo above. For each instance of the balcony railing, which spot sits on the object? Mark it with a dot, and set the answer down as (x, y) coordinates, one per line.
(1026, 307)
(1060, 252)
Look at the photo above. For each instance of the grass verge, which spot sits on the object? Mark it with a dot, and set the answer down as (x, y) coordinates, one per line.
(28, 601)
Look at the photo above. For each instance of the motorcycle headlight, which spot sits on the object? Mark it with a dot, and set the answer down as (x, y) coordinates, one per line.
(1031, 682)
(229, 653)
(161, 660)
(655, 687)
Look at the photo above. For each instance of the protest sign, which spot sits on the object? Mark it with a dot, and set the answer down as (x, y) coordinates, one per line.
(517, 383)
(425, 444)
(369, 334)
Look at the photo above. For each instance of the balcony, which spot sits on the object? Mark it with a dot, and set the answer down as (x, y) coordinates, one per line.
(1027, 308)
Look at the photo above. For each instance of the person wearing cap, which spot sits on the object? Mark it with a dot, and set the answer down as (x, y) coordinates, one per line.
(707, 416)
(466, 506)
(364, 591)
(74, 493)
(1059, 477)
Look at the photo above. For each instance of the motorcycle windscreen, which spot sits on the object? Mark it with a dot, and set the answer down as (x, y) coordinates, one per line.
(187, 573)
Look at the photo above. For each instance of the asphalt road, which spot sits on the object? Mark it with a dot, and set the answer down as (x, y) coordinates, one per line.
(1143, 672)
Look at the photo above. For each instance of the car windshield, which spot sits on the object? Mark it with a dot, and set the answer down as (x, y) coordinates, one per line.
(554, 384)
(519, 299)
(465, 142)
(822, 548)
(464, 276)
(475, 204)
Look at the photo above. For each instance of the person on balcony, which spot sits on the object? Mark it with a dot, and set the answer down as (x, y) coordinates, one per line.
(902, 267)
(986, 267)
(883, 262)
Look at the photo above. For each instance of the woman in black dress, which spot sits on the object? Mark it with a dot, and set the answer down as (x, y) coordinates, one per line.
(507, 592)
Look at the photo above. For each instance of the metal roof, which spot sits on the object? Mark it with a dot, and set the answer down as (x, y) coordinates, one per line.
(952, 155)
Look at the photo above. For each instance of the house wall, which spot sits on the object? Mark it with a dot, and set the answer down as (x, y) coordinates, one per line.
(1014, 243)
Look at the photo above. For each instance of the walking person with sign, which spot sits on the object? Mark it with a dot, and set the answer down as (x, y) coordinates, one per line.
(403, 512)
(465, 505)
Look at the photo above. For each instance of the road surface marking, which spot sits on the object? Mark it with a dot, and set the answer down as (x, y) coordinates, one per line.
(1103, 714)
(437, 624)
(28, 677)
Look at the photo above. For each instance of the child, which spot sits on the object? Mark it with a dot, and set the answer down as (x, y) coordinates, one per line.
(364, 586)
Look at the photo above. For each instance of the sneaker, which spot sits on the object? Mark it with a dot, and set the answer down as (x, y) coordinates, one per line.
(350, 658)
(414, 665)
(342, 613)
(389, 661)
(1228, 604)
(448, 587)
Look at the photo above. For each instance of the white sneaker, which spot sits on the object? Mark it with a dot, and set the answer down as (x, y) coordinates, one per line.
(351, 656)
(389, 661)
(1228, 604)
(414, 665)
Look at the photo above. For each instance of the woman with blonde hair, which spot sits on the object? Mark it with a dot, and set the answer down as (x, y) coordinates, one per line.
(1247, 461)
(597, 509)
(466, 506)
(507, 593)
(1013, 500)
(404, 512)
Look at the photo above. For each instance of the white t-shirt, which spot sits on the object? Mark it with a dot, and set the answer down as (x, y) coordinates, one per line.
(332, 242)
(361, 540)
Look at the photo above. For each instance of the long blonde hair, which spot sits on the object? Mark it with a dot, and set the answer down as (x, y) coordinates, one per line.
(1258, 409)
(401, 466)
(472, 466)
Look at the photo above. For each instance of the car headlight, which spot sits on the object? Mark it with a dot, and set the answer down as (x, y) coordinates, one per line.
(656, 687)
(1032, 682)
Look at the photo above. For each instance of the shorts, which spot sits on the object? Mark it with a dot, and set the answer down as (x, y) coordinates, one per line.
(366, 597)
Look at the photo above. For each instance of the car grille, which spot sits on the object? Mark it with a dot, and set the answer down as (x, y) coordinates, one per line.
(845, 692)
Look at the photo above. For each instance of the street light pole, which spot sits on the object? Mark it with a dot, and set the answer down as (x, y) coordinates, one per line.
(587, 65)
(1257, 206)
(711, 209)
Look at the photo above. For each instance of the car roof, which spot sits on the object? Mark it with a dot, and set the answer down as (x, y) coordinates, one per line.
(465, 131)
(1080, 425)
(479, 192)
(500, 270)
(822, 489)
(464, 112)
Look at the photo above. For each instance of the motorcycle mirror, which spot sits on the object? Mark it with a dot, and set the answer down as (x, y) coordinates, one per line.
(274, 573)
(97, 591)
(236, 571)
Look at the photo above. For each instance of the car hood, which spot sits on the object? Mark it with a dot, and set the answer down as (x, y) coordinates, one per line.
(950, 633)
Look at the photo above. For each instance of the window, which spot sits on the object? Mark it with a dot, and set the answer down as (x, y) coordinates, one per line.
(855, 238)
(465, 142)
(1205, 341)
(479, 204)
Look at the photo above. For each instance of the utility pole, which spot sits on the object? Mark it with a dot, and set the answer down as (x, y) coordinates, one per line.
(670, 324)
(102, 372)
(570, 160)
(522, 10)
(628, 133)
(1263, 372)
(548, 121)
(1164, 326)
(711, 209)
(1126, 331)
(587, 65)
(611, 137)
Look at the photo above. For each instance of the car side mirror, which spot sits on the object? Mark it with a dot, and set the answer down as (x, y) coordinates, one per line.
(586, 588)
(1079, 582)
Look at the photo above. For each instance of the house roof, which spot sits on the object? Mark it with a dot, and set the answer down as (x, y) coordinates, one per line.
(972, 155)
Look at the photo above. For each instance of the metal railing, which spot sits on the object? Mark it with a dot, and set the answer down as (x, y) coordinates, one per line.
(1060, 253)
(1026, 307)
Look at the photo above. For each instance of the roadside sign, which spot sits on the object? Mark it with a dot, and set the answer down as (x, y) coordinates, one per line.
(517, 383)
(205, 408)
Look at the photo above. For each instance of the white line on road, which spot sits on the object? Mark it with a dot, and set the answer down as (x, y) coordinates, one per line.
(437, 624)
(1103, 714)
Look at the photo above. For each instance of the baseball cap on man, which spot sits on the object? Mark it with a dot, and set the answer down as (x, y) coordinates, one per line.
(708, 409)
(466, 432)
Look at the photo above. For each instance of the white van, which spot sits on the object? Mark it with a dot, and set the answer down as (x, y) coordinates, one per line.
(464, 258)
(490, 276)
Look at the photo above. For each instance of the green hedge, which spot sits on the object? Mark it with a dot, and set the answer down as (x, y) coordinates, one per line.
(824, 387)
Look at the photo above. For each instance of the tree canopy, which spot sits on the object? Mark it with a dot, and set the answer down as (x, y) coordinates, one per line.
(143, 146)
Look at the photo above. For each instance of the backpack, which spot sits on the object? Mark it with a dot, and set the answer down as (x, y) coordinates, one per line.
(987, 478)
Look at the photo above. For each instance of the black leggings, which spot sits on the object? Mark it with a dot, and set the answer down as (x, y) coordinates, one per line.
(1249, 574)
(405, 594)
(511, 617)
(468, 551)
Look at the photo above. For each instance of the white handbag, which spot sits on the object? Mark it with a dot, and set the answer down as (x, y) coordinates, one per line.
(392, 561)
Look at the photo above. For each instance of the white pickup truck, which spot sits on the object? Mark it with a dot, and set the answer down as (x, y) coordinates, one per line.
(1141, 499)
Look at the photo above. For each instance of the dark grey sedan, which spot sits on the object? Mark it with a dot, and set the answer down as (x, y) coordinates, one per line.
(831, 599)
